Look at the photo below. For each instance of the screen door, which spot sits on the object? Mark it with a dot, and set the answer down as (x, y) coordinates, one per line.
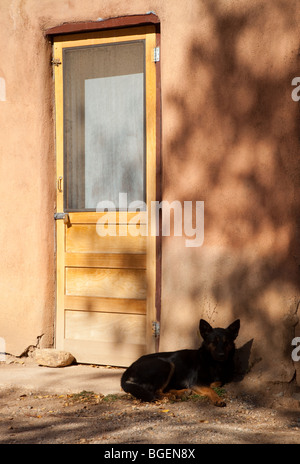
(105, 144)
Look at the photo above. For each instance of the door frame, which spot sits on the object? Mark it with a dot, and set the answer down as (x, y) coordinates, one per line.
(153, 128)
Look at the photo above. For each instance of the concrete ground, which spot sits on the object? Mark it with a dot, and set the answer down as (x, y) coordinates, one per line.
(70, 379)
(41, 405)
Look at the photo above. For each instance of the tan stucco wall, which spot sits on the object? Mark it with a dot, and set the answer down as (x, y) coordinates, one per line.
(27, 181)
(230, 137)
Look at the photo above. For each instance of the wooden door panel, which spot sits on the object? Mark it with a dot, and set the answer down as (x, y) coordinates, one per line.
(107, 327)
(98, 352)
(106, 283)
(105, 273)
(83, 238)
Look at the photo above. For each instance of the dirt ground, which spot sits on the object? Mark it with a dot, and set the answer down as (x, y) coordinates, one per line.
(268, 417)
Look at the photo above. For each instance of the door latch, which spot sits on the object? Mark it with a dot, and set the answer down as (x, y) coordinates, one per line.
(64, 216)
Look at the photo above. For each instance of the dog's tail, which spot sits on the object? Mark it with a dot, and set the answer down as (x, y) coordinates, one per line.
(144, 393)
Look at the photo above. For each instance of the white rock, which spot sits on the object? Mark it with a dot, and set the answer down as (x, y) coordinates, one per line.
(51, 357)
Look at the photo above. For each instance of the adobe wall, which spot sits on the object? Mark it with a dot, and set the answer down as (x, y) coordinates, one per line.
(230, 137)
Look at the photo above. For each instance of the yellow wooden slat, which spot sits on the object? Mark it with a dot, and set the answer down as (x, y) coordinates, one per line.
(83, 238)
(90, 217)
(113, 305)
(106, 260)
(103, 37)
(107, 283)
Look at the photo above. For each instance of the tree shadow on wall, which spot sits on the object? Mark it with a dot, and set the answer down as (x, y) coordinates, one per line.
(236, 147)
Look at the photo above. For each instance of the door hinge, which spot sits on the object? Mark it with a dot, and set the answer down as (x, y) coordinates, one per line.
(156, 328)
(55, 61)
(156, 54)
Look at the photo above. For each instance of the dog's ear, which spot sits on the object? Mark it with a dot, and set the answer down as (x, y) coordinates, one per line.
(234, 329)
(205, 328)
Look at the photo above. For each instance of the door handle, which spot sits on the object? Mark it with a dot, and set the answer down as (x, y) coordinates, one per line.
(59, 183)
(63, 216)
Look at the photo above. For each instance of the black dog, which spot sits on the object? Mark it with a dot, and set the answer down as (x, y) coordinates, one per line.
(176, 372)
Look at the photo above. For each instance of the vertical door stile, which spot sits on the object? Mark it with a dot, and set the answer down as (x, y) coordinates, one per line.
(151, 185)
(60, 235)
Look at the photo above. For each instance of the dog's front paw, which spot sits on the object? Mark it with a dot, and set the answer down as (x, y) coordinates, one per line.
(220, 403)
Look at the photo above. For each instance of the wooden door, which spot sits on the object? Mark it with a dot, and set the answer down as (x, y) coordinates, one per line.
(105, 87)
